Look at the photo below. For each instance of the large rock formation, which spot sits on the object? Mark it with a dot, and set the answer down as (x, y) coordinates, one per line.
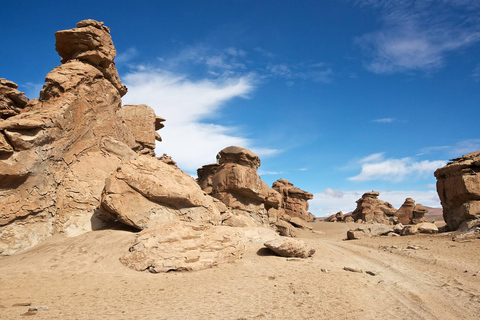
(370, 209)
(235, 182)
(458, 186)
(295, 200)
(57, 153)
(411, 213)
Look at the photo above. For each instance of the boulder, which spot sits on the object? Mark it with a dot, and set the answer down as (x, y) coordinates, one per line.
(370, 209)
(370, 230)
(295, 200)
(458, 187)
(427, 227)
(337, 217)
(181, 246)
(145, 190)
(288, 247)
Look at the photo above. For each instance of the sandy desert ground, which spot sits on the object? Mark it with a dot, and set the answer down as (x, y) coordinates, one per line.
(81, 278)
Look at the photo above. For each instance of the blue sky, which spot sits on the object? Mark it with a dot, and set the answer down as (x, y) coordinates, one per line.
(338, 96)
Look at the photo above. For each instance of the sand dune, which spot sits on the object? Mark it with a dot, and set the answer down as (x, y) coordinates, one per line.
(81, 278)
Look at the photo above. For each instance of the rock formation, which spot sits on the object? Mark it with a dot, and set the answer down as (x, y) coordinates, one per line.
(458, 186)
(295, 200)
(370, 209)
(235, 182)
(411, 213)
(183, 246)
(288, 247)
(12, 101)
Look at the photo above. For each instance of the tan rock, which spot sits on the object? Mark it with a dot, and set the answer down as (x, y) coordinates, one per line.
(458, 186)
(427, 227)
(370, 230)
(235, 182)
(181, 246)
(405, 213)
(370, 209)
(145, 189)
(12, 101)
(288, 247)
(58, 151)
(295, 200)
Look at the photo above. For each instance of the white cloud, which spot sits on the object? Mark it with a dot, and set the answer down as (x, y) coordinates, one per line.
(126, 56)
(186, 105)
(324, 203)
(333, 193)
(384, 120)
(460, 148)
(376, 167)
(417, 35)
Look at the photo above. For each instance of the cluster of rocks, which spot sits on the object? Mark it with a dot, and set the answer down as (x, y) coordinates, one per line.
(76, 160)
(370, 209)
(458, 187)
(376, 229)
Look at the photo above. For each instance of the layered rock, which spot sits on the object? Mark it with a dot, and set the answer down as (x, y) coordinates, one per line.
(12, 101)
(57, 152)
(295, 200)
(235, 182)
(411, 213)
(370, 209)
(183, 246)
(145, 191)
(458, 186)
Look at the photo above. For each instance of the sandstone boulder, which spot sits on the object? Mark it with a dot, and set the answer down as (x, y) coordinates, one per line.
(337, 217)
(288, 247)
(458, 186)
(370, 230)
(295, 200)
(180, 246)
(370, 209)
(145, 190)
(411, 213)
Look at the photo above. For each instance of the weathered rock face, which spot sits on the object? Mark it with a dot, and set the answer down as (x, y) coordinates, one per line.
(405, 212)
(12, 101)
(56, 153)
(295, 200)
(235, 182)
(370, 209)
(145, 190)
(458, 186)
(180, 246)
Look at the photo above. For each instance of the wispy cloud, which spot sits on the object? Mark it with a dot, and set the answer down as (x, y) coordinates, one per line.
(126, 56)
(456, 150)
(376, 167)
(418, 35)
(333, 193)
(317, 72)
(384, 120)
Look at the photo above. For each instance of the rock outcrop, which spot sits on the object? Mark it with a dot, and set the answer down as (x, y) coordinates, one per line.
(458, 186)
(370, 209)
(411, 213)
(295, 200)
(12, 101)
(57, 151)
(235, 182)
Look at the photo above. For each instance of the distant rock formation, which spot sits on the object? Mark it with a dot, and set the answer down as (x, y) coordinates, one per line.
(411, 213)
(295, 200)
(371, 209)
(458, 186)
